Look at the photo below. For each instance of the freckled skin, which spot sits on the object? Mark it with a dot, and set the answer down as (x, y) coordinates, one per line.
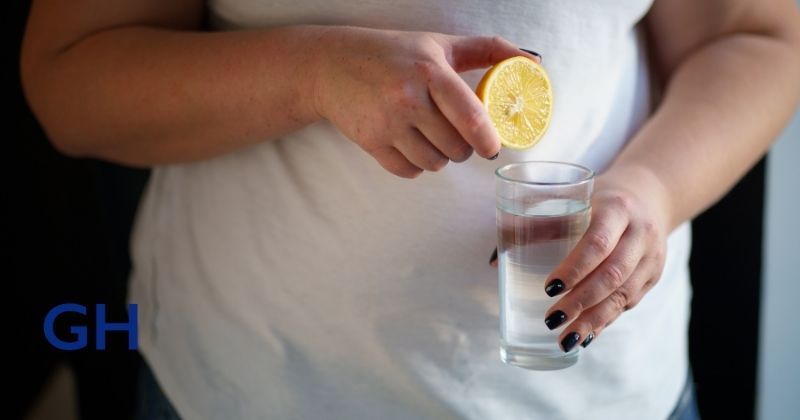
(406, 104)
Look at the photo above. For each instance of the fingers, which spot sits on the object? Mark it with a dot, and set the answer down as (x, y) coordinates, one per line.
(420, 152)
(393, 161)
(459, 104)
(474, 52)
(601, 238)
(606, 279)
(594, 320)
(533, 55)
(443, 135)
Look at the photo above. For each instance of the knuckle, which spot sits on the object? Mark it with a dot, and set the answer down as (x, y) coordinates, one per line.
(621, 202)
(438, 163)
(370, 146)
(613, 276)
(577, 307)
(599, 241)
(403, 96)
(409, 173)
(462, 152)
(497, 42)
(395, 164)
(430, 41)
(633, 302)
(649, 228)
(425, 69)
(494, 43)
(374, 142)
(660, 256)
(473, 120)
(572, 273)
(620, 299)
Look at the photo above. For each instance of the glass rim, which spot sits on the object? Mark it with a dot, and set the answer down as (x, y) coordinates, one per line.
(588, 173)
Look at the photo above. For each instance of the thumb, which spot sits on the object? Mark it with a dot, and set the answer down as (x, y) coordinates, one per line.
(475, 52)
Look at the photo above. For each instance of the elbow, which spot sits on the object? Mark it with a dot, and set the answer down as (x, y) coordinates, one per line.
(57, 134)
(65, 143)
(43, 103)
(67, 146)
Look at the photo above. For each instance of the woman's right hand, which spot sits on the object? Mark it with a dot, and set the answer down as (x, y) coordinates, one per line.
(398, 95)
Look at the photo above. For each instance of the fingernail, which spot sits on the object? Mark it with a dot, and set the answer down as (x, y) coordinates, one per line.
(570, 341)
(588, 340)
(532, 53)
(493, 258)
(495, 156)
(554, 288)
(555, 319)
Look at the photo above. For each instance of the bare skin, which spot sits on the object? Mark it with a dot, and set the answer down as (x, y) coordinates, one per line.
(137, 83)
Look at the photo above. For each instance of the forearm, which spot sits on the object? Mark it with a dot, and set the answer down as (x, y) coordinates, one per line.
(144, 96)
(722, 108)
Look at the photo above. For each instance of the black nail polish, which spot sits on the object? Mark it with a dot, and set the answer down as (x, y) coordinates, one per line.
(495, 156)
(555, 319)
(570, 341)
(532, 52)
(588, 340)
(493, 258)
(554, 288)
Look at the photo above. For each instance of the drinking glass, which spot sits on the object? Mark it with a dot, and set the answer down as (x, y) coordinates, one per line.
(543, 209)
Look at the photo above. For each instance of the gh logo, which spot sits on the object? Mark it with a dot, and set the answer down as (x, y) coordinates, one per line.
(80, 332)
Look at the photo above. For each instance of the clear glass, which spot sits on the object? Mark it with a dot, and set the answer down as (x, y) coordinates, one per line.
(543, 209)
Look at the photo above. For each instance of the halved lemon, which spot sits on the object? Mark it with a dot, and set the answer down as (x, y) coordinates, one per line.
(517, 95)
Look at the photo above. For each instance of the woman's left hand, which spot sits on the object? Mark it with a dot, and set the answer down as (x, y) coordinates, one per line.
(617, 261)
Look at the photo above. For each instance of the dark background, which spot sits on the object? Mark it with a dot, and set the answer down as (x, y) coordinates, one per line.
(68, 226)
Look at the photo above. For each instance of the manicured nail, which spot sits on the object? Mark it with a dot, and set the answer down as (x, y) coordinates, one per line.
(555, 319)
(570, 341)
(495, 156)
(554, 288)
(493, 258)
(588, 340)
(532, 53)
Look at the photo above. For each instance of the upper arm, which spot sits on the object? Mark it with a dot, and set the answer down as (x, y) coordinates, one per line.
(680, 27)
(54, 25)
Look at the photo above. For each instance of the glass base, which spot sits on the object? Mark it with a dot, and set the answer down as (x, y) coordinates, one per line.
(537, 360)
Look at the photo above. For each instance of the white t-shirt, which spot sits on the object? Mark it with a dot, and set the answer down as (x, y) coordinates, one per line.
(297, 279)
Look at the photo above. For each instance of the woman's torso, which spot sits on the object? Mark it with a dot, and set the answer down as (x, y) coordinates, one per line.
(298, 279)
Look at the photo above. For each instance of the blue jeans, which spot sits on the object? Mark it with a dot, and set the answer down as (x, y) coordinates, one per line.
(154, 405)
(686, 409)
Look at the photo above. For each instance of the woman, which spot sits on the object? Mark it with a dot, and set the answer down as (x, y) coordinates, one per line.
(282, 273)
